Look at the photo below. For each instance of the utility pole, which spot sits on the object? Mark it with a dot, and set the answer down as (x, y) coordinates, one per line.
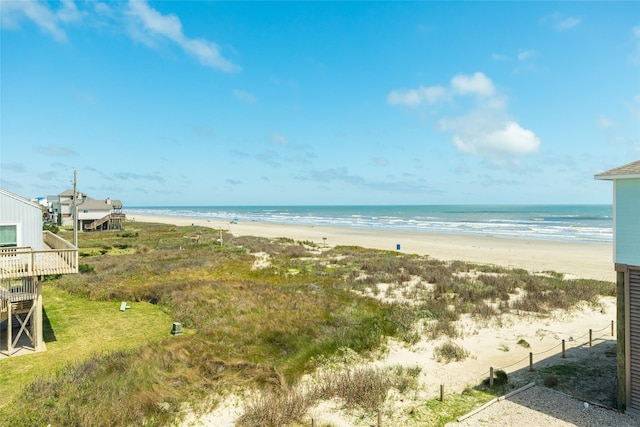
(75, 210)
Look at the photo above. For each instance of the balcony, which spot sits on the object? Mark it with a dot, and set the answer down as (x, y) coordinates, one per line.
(61, 257)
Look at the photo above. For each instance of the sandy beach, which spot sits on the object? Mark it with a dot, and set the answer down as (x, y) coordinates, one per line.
(582, 260)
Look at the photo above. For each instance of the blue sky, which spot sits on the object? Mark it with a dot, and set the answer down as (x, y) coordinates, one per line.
(287, 103)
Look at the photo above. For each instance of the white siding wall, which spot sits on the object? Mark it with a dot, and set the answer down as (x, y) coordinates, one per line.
(26, 215)
(94, 214)
(627, 239)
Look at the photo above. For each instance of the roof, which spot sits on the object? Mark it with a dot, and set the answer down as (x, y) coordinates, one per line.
(630, 170)
(69, 194)
(93, 204)
(20, 198)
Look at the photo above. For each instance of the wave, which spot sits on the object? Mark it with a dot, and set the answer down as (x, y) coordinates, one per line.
(575, 224)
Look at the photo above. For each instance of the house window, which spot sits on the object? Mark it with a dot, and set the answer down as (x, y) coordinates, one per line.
(8, 236)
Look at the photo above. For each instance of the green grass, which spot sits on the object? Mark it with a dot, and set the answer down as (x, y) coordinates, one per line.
(82, 328)
(436, 413)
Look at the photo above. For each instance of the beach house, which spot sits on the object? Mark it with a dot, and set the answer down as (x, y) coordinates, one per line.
(626, 258)
(27, 255)
(100, 214)
(93, 214)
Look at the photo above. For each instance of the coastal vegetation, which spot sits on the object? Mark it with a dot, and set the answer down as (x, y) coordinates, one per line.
(285, 331)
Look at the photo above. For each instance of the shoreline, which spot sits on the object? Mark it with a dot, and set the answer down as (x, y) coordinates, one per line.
(580, 260)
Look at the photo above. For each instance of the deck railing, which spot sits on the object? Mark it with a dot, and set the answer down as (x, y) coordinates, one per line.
(18, 262)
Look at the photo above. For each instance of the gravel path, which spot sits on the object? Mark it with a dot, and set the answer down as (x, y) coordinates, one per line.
(540, 406)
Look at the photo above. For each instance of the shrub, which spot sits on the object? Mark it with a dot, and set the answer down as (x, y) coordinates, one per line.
(450, 351)
(483, 310)
(275, 409)
(442, 327)
(523, 343)
(128, 234)
(51, 227)
(362, 387)
(86, 268)
(550, 381)
(500, 377)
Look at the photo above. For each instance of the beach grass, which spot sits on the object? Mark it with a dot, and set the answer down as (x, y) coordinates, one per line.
(246, 328)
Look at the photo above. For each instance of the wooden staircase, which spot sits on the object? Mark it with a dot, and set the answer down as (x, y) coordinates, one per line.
(107, 218)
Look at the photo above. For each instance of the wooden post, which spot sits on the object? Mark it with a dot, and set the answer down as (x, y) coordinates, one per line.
(441, 392)
(38, 333)
(379, 418)
(612, 328)
(9, 325)
(590, 336)
(313, 422)
(491, 377)
(563, 354)
(530, 361)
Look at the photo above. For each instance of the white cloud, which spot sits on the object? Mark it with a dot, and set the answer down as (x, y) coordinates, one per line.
(69, 12)
(494, 144)
(244, 96)
(604, 122)
(559, 22)
(634, 56)
(102, 9)
(512, 139)
(145, 24)
(567, 23)
(279, 139)
(486, 129)
(526, 55)
(410, 98)
(12, 12)
(477, 84)
(154, 24)
(415, 97)
(499, 57)
(433, 94)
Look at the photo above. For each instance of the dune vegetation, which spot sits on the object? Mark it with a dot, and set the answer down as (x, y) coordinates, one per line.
(248, 326)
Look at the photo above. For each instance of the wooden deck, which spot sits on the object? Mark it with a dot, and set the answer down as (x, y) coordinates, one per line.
(60, 258)
(21, 272)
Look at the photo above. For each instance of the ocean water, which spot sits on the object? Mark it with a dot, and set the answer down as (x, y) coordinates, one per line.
(574, 223)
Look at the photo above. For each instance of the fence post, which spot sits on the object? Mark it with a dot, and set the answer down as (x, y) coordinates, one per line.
(379, 418)
(590, 336)
(563, 355)
(530, 361)
(491, 377)
(441, 392)
(612, 328)
(313, 422)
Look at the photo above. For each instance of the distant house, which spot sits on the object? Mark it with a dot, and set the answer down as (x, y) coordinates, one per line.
(92, 214)
(626, 256)
(27, 254)
(100, 214)
(62, 206)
